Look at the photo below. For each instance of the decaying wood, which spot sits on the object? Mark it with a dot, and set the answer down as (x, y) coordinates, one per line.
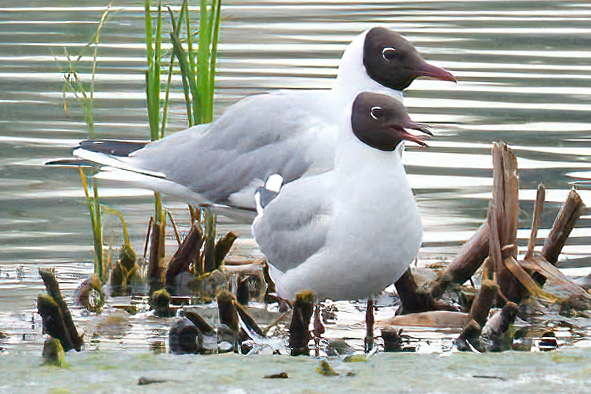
(223, 246)
(511, 196)
(537, 263)
(563, 225)
(392, 339)
(229, 315)
(538, 208)
(299, 334)
(227, 310)
(465, 264)
(414, 299)
(494, 333)
(199, 322)
(54, 292)
(185, 255)
(53, 320)
(248, 320)
(369, 324)
(469, 338)
(428, 319)
(155, 264)
(484, 301)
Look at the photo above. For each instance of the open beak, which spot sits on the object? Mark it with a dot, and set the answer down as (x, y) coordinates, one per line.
(405, 135)
(428, 70)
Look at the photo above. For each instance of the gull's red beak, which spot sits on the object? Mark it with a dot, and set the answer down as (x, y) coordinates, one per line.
(405, 135)
(428, 70)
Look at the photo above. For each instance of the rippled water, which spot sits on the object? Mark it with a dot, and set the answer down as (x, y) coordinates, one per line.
(524, 72)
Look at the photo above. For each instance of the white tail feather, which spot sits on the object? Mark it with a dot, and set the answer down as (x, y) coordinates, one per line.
(113, 162)
(144, 181)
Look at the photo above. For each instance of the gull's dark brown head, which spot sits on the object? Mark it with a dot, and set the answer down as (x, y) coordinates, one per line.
(381, 121)
(392, 61)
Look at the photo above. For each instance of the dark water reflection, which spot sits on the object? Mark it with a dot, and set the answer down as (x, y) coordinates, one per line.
(524, 77)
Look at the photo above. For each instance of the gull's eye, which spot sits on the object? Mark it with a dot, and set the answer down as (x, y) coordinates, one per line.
(388, 53)
(376, 112)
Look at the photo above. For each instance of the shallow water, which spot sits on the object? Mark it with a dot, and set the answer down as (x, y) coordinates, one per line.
(524, 77)
(396, 373)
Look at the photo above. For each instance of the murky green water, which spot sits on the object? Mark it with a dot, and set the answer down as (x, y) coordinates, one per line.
(394, 373)
(524, 72)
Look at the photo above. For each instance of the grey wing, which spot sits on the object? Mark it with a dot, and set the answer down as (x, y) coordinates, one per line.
(256, 137)
(295, 225)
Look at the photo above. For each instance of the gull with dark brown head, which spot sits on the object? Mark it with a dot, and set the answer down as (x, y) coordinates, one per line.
(349, 232)
(289, 133)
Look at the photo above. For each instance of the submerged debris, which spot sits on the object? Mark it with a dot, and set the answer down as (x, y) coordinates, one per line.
(280, 375)
(160, 301)
(53, 353)
(90, 294)
(299, 333)
(57, 319)
(144, 381)
(124, 271)
(324, 368)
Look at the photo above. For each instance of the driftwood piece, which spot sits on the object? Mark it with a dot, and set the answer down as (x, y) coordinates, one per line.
(538, 208)
(200, 322)
(469, 338)
(223, 246)
(299, 333)
(187, 253)
(484, 301)
(392, 339)
(506, 209)
(54, 354)
(53, 320)
(227, 310)
(160, 301)
(537, 263)
(209, 255)
(369, 324)
(563, 225)
(183, 337)
(511, 199)
(54, 292)
(494, 334)
(415, 300)
(434, 319)
(465, 264)
(155, 272)
(229, 317)
(248, 320)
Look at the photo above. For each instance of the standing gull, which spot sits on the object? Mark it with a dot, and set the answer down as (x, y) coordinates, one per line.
(289, 133)
(349, 232)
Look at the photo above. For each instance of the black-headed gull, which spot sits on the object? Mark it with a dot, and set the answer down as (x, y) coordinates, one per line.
(349, 232)
(290, 133)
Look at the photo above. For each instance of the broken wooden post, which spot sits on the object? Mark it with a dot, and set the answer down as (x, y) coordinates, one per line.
(484, 301)
(155, 274)
(299, 333)
(413, 299)
(369, 324)
(53, 290)
(563, 225)
(187, 253)
(229, 315)
(465, 264)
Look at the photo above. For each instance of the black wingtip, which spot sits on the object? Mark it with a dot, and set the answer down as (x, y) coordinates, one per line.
(112, 147)
(70, 163)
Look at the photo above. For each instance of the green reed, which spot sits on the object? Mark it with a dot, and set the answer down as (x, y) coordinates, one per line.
(83, 91)
(197, 69)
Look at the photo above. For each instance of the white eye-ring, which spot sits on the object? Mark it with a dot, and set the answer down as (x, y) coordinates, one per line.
(375, 112)
(388, 53)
